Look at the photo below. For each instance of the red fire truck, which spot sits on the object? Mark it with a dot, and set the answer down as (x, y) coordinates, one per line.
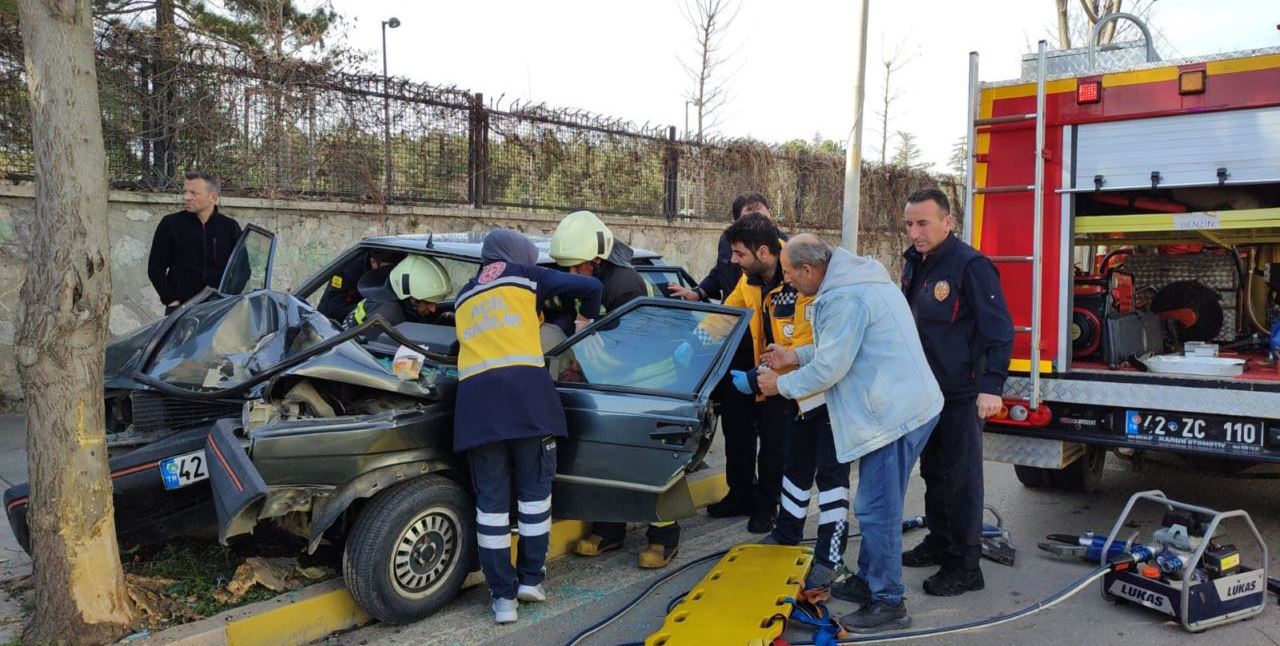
(1132, 206)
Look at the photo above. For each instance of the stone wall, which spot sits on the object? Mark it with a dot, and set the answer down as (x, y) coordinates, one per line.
(310, 234)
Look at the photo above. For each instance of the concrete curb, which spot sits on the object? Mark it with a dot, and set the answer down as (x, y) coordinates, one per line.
(314, 612)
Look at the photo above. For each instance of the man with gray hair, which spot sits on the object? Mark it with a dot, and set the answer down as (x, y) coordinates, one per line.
(883, 401)
(191, 248)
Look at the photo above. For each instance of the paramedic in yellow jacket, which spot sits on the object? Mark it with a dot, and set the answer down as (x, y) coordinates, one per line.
(780, 314)
(507, 414)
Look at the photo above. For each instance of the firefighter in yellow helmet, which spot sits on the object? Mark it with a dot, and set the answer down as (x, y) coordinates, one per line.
(584, 245)
(410, 290)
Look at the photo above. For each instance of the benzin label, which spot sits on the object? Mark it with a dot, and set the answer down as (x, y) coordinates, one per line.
(1194, 221)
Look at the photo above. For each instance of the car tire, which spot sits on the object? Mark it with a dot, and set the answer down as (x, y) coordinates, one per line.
(1034, 477)
(410, 549)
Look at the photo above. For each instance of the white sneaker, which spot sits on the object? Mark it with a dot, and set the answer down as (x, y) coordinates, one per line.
(505, 610)
(531, 593)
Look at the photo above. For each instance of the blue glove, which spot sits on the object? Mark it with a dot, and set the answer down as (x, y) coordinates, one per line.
(741, 382)
(683, 354)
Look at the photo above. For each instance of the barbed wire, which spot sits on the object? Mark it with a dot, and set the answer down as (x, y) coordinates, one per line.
(275, 127)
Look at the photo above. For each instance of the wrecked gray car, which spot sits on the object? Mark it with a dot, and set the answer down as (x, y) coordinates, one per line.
(249, 406)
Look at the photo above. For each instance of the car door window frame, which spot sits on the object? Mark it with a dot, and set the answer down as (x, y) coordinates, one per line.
(250, 229)
(705, 383)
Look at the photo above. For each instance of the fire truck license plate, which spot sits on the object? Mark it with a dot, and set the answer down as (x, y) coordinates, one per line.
(1180, 428)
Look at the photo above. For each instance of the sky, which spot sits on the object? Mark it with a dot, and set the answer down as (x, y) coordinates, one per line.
(790, 66)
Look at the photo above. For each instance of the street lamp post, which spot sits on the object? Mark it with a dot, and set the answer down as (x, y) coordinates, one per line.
(392, 22)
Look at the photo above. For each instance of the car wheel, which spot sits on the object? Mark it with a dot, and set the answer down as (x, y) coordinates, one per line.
(409, 551)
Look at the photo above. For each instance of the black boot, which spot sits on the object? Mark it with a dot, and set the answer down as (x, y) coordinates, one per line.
(926, 554)
(730, 507)
(953, 581)
(761, 521)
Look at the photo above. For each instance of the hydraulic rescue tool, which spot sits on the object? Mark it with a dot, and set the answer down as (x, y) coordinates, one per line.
(996, 543)
(1187, 571)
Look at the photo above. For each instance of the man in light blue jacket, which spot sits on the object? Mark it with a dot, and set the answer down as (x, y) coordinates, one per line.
(883, 402)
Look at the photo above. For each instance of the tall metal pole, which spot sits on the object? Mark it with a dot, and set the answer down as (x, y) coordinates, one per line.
(1037, 242)
(853, 154)
(386, 108)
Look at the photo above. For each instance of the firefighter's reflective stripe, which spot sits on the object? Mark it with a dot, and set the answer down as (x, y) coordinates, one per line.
(498, 325)
(358, 313)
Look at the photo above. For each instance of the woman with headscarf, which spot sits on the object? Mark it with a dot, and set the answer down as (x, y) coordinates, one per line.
(508, 414)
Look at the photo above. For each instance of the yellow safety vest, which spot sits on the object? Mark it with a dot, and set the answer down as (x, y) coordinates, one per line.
(498, 323)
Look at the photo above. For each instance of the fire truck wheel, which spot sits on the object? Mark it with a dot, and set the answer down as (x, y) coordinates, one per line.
(1085, 474)
(1034, 477)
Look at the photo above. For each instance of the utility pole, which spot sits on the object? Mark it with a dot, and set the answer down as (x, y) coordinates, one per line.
(392, 22)
(853, 153)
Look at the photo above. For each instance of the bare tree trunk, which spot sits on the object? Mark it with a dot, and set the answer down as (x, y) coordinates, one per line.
(893, 63)
(66, 298)
(884, 115)
(1109, 30)
(1064, 26)
(166, 70)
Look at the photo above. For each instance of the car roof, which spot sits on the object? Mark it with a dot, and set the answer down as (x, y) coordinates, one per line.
(468, 244)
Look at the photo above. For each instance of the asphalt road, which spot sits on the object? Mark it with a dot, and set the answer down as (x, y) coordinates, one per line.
(584, 591)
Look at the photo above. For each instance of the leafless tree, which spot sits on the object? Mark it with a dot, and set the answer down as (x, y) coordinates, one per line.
(1074, 26)
(66, 298)
(710, 20)
(892, 63)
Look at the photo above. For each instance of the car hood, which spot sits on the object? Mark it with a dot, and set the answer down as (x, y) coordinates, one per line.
(227, 346)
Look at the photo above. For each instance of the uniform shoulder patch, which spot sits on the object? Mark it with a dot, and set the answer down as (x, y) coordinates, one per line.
(491, 271)
(336, 282)
(941, 290)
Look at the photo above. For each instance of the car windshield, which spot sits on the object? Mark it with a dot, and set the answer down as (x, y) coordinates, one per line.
(222, 343)
(650, 348)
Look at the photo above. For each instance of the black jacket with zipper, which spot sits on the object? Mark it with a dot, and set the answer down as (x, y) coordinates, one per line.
(187, 255)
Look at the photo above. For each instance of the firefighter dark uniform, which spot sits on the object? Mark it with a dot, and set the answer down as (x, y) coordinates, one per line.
(967, 335)
(501, 360)
(341, 293)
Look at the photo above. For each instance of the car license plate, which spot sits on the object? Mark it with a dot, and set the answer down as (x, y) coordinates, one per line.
(182, 470)
(1195, 430)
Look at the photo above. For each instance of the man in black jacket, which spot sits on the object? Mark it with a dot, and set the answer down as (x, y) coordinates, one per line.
(191, 248)
(967, 334)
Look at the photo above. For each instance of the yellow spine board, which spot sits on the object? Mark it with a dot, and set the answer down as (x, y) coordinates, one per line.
(739, 600)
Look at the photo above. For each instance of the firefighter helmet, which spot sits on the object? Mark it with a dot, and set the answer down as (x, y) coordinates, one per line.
(420, 277)
(580, 237)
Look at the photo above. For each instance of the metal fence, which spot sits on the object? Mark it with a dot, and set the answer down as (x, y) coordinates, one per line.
(295, 130)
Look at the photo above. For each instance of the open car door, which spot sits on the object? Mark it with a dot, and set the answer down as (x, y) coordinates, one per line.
(249, 268)
(636, 389)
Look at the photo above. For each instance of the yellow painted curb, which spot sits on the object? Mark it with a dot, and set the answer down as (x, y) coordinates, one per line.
(307, 620)
(299, 622)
